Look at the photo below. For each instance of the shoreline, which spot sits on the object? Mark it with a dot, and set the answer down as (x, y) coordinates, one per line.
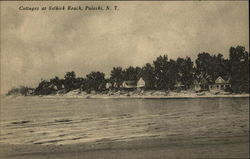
(105, 96)
(166, 97)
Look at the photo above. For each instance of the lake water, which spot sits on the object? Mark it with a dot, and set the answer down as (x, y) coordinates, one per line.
(34, 120)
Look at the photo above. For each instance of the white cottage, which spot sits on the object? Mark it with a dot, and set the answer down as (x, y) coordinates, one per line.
(108, 85)
(140, 83)
(220, 84)
(129, 84)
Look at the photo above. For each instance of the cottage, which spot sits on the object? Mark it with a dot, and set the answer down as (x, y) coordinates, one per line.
(129, 84)
(200, 84)
(197, 85)
(30, 91)
(179, 86)
(108, 85)
(141, 83)
(115, 85)
(220, 84)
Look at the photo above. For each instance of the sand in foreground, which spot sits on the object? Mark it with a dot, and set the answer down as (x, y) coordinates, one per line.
(231, 147)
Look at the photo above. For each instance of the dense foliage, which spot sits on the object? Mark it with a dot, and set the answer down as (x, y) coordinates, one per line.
(22, 90)
(162, 74)
(239, 69)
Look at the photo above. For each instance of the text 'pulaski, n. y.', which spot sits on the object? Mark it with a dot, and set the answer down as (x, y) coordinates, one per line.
(71, 8)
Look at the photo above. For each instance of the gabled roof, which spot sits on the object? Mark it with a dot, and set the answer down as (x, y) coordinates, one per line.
(141, 82)
(196, 82)
(200, 81)
(220, 80)
(129, 84)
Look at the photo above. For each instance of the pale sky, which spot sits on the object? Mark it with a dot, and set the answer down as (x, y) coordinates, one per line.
(44, 44)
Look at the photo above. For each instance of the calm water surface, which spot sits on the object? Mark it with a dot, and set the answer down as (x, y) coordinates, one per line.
(34, 120)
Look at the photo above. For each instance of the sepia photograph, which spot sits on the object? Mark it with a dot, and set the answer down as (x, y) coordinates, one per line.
(124, 79)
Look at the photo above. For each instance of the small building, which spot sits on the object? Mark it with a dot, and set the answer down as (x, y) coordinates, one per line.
(108, 85)
(179, 86)
(220, 84)
(140, 83)
(129, 84)
(196, 85)
(200, 84)
(31, 91)
(115, 85)
(132, 85)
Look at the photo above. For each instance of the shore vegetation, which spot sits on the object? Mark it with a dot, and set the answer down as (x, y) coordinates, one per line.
(162, 74)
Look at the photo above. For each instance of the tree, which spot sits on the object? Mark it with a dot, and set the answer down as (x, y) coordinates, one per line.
(22, 90)
(117, 76)
(81, 83)
(58, 83)
(239, 69)
(185, 71)
(13, 91)
(132, 73)
(212, 66)
(138, 71)
(172, 74)
(149, 76)
(96, 81)
(161, 68)
(221, 67)
(44, 88)
(204, 66)
(70, 81)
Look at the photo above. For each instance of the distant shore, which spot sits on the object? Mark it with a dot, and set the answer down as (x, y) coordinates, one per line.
(144, 95)
(166, 97)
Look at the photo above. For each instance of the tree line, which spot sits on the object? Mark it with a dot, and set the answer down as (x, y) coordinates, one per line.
(162, 74)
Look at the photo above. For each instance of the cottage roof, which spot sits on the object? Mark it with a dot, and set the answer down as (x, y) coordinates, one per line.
(108, 84)
(220, 80)
(129, 84)
(141, 82)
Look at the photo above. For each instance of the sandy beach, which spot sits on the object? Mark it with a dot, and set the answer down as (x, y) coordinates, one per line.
(184, 147)
(144, 95)
(169, 97)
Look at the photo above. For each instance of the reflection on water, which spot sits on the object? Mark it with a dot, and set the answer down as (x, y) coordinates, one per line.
(34, 120)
